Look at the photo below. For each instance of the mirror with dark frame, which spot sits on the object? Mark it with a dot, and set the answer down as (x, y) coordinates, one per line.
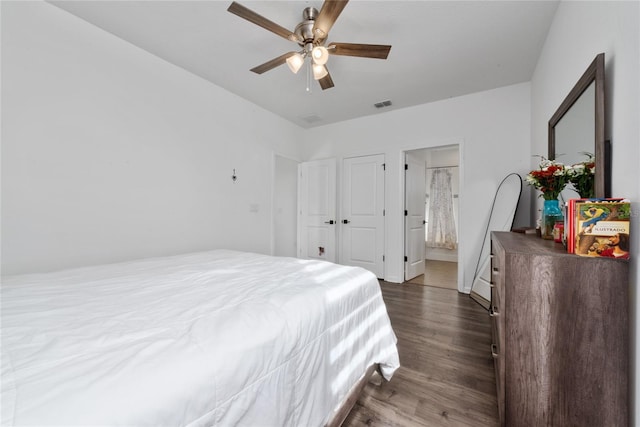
(577, 127)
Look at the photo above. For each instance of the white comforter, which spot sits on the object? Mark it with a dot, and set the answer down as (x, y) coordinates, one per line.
(213, 338)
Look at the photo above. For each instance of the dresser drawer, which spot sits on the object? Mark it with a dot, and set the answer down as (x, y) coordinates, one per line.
(496, 313)
(497, 280)
(498, 366)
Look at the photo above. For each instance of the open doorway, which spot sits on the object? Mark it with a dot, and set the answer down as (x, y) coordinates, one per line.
(285, 201)
(438, 199)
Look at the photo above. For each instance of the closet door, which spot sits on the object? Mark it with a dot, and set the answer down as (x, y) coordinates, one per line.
(317, 210)
(362, 220)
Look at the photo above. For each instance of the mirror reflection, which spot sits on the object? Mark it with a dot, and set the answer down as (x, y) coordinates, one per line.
(575, 132)
(575, 135)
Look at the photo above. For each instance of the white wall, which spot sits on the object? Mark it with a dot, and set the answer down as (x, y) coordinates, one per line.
(579, 32)
(493, 131)
(110, 153)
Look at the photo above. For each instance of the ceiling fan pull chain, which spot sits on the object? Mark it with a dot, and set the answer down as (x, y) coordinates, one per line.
(309, 76)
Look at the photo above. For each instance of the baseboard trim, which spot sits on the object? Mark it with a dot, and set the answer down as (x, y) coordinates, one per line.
(480, 299)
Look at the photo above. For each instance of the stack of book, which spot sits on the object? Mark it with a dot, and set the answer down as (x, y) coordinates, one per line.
(597, 227)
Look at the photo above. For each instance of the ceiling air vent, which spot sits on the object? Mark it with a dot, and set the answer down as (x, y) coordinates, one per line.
(312, 118)
(382, 104)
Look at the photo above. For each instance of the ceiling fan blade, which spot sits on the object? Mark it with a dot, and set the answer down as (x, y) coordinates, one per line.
(326, 82)
(378, 51)
(329, 12)
(275, 62)
(251, 16)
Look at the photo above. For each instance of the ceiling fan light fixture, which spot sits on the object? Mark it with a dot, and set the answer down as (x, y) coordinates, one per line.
(320, 55)
(295, 62)
(319, 71)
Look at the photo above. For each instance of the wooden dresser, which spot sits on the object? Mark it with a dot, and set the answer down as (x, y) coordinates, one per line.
(560, 334)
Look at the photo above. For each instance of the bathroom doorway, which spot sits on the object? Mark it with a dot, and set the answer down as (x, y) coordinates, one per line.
(439, 202)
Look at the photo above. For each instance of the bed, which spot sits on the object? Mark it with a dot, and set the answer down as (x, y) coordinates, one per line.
(210, 338)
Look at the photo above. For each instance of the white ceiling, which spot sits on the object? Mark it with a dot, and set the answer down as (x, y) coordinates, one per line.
(440, 49)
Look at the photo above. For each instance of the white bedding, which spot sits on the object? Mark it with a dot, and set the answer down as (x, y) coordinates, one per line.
(212, 338)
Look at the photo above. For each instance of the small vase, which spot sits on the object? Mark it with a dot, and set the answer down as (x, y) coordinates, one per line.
(551, 213)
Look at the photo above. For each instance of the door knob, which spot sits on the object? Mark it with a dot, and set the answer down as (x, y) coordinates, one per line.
(329, 222)
(345, 221)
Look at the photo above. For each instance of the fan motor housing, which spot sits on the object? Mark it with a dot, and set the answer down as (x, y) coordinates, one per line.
(305, 28)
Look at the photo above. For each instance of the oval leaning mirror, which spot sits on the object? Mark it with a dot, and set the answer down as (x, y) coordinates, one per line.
(577, 126)
(501, 216)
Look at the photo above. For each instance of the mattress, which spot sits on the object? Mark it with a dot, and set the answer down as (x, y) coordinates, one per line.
(210, 338)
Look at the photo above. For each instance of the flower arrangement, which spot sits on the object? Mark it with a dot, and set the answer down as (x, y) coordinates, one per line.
(550, 178)
(582, 176)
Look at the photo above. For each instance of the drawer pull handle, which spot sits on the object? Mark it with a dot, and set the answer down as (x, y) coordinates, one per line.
(494, 351)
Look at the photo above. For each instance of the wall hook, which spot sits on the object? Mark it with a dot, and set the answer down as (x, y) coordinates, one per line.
(234, 177)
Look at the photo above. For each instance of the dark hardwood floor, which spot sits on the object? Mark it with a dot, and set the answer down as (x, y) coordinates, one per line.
(446, 376)
(441, 274)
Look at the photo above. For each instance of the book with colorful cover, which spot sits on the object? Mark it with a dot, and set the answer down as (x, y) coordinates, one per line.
(569, 220)
(569, 238)
(600, 227)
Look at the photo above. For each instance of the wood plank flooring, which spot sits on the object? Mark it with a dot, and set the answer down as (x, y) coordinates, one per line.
(441, 274)
(446, 376)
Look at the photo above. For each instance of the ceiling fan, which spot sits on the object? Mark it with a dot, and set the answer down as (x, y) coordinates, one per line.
(311, 35)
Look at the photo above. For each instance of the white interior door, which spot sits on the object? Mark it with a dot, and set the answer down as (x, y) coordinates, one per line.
(317, 210)
(415, 193)
(362, 219)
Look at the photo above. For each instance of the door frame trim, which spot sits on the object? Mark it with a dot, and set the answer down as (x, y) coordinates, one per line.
(400, 228)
